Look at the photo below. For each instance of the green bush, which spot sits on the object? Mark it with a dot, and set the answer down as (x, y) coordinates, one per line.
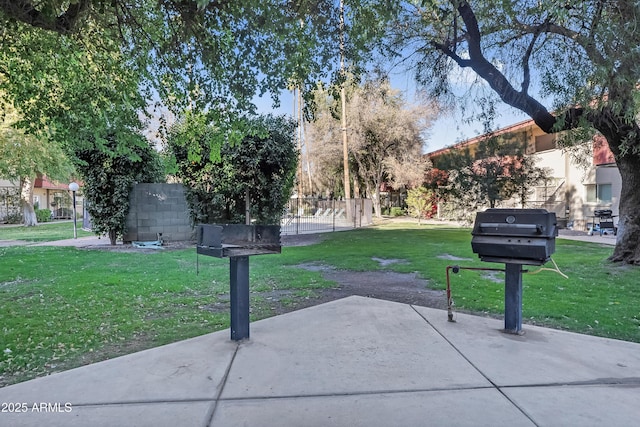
(43, 215)
(262, 165)
(397, 211)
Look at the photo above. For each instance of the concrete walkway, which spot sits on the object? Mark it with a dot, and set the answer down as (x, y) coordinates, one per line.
(352, 362)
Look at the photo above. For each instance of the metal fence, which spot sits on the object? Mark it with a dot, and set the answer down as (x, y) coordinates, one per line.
(309, 215)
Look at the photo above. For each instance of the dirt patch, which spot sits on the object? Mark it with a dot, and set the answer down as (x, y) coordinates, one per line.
(385, 262)
(405, 288)
(494, 276)
(301, 239)
(128, 248)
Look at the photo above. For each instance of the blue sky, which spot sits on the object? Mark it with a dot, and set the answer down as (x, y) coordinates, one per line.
(447, 130)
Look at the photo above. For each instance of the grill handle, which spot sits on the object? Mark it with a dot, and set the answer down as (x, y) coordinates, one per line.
(535, 228)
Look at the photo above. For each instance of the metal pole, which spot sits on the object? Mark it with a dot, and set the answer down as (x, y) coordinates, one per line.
(297, 209)
(239, 295)
(75, 227)
(247, 207)
(343, 116)
(513, 299)
(333, 215)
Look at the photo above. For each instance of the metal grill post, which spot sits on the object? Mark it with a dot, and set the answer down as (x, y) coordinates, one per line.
(239, 295)
(513, 298)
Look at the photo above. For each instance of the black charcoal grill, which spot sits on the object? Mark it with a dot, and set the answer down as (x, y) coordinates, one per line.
(232, 240)
(514, 237)
(603, 222)
(237, 242)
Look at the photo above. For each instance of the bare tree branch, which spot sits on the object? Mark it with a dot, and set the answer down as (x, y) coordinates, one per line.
(494, 77)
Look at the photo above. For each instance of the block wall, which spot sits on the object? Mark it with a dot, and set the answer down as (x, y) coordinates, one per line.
(158, 208)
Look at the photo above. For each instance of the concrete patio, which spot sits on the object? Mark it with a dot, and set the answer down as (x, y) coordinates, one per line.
(352, 362)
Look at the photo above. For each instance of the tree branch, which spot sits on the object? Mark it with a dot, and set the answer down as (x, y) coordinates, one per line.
(526, 72)
(498, 82)
(586, 43)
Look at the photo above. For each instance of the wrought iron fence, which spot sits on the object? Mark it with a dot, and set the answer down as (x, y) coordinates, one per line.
(309, 215)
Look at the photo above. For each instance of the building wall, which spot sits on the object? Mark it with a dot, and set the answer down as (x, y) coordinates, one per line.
(158, 209)
(566, 192)
(602, 174)
(46, 198)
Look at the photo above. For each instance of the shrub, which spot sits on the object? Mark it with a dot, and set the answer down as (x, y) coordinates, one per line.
(43, 215)
(262, 166)
(397, 211)
(13, 218)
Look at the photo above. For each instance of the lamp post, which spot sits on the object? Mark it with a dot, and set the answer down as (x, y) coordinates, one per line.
(74, 187)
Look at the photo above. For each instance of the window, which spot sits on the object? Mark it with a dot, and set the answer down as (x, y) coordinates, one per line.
(598, 193)
(604, 193)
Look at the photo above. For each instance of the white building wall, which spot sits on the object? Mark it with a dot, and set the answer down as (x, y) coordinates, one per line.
(575, 180)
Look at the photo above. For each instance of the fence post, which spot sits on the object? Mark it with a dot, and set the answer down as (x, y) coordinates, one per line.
(297, 217)
(333, 214)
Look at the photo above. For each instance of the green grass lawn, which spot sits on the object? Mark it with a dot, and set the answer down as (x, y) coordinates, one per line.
(62, 307)
(45, 232)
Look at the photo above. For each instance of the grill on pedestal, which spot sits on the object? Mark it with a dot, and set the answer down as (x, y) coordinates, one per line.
(514, 237)
(238, 242)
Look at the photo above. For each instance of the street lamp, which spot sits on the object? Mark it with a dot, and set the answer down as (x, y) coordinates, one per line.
(74, 187)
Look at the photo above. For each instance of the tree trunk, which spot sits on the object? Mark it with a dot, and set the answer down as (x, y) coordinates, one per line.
(376, 202)
(627, 248)
(113, 236)
(375, 198)
(26, 197)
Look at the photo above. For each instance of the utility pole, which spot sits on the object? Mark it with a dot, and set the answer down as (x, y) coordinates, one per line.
(305, 143)
(343, 102)
(296, 113)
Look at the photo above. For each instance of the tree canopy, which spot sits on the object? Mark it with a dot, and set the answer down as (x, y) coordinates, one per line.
(72, 65)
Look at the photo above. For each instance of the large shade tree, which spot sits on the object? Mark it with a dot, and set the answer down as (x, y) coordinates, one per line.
(385, 135)
(571, 66)
(385, 131)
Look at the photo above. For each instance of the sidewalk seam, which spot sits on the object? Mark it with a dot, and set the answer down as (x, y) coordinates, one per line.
(498, 388)
(353, 393)
(208, 420)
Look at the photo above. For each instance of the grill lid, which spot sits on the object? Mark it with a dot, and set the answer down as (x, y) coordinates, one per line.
(516, 222)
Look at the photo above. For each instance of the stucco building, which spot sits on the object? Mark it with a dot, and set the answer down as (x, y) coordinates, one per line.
(574, 190)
